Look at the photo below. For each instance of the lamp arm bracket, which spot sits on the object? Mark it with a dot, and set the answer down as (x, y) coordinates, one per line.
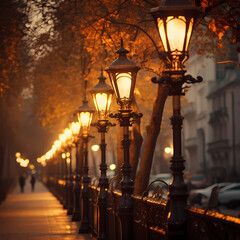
(160, 80)
(190, 79)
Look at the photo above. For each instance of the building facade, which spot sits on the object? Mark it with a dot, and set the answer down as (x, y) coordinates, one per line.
(211, 133)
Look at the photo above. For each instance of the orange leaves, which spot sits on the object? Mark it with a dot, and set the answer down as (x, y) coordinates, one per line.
(205, 3)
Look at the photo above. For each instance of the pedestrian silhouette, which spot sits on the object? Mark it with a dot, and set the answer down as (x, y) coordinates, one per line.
(22, 182)
(33, 180)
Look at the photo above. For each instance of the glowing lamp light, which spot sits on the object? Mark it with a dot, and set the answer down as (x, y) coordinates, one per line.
(62, 138)
(68, 160)
(17, 154)
(68, 154)
(68, 133)
(48, 155)
(63, 155)
(31, 166)
(57, 143)
(102, 97)
(168, 150)
(95, 148)
(175, 21)
(112, 166)
(85, 113)
(75, 128)
(122, 73)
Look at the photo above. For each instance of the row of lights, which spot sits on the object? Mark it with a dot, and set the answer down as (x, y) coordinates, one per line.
(175, 21)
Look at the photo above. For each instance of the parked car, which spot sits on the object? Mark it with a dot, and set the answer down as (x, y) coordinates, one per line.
(230, 195)
(166, 177)
(201, 196)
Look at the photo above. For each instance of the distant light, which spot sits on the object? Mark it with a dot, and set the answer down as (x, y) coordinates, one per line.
(95, 148)
(63, 155)
(31, 166)
(112, 166)
(17, 154)
(68, 160)
(168, 150)
(68, 154)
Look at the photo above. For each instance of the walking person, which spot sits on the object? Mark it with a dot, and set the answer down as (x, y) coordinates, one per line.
(22, 182)
(33, 180)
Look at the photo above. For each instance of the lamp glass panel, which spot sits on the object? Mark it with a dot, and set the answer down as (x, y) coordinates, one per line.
(75, 128)
(162, 33)
(176, 31)
(101, 100)
(95, 102)
(85, 119)
(109, 101)
(124, 81)
(189, 33)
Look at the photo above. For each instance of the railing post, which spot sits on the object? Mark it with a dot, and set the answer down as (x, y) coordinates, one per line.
(84, 225)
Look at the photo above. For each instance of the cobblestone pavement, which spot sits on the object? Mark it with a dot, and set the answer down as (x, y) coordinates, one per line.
(36, 216)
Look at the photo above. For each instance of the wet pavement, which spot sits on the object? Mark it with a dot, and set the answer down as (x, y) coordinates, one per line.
(36, 215)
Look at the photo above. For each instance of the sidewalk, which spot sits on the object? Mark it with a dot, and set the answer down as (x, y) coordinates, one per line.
(36, 216)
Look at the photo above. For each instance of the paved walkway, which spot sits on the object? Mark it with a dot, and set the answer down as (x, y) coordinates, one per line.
(36, 216)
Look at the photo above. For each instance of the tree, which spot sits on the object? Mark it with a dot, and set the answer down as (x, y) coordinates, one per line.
(13, 63)
(89, 32)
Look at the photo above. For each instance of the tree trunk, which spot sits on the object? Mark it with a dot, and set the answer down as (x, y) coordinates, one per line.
(119, 156)
(153, 129)
(136, 142)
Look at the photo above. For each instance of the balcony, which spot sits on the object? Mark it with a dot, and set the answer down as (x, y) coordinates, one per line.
(217, 115)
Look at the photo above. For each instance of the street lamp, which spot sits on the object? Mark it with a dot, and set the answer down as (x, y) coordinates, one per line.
(175, 20)
(122, 73)
(75, 128)
(102, 96)
(85, 113)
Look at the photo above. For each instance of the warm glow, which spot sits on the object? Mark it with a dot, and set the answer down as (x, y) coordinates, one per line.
(18, 160)
(68, 133)
(162, 34)
(54, 149)
(75, 127)
(112, 166)
(43, 164)
(85, 119)
(101, 101)
(62, 138)
(48, 155)
(189, 33)
(168, 150)
(31, 166)
(68, 154)
(68, 160)
(57, 143)
(124, 84)
(17, 154)
(176, 30)
(24, 163)
(95, 148)
(63, 155)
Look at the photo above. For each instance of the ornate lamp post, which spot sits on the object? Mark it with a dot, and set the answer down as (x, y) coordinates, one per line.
(85, 113)
(58, 143)
(102, 97)
(122, 73)
(75, 128)
(76, 211)
(175, 20)
(63, 139)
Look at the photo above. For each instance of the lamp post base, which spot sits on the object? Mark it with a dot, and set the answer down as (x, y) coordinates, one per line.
(70, 211)
(76, 216)
(84, 227)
